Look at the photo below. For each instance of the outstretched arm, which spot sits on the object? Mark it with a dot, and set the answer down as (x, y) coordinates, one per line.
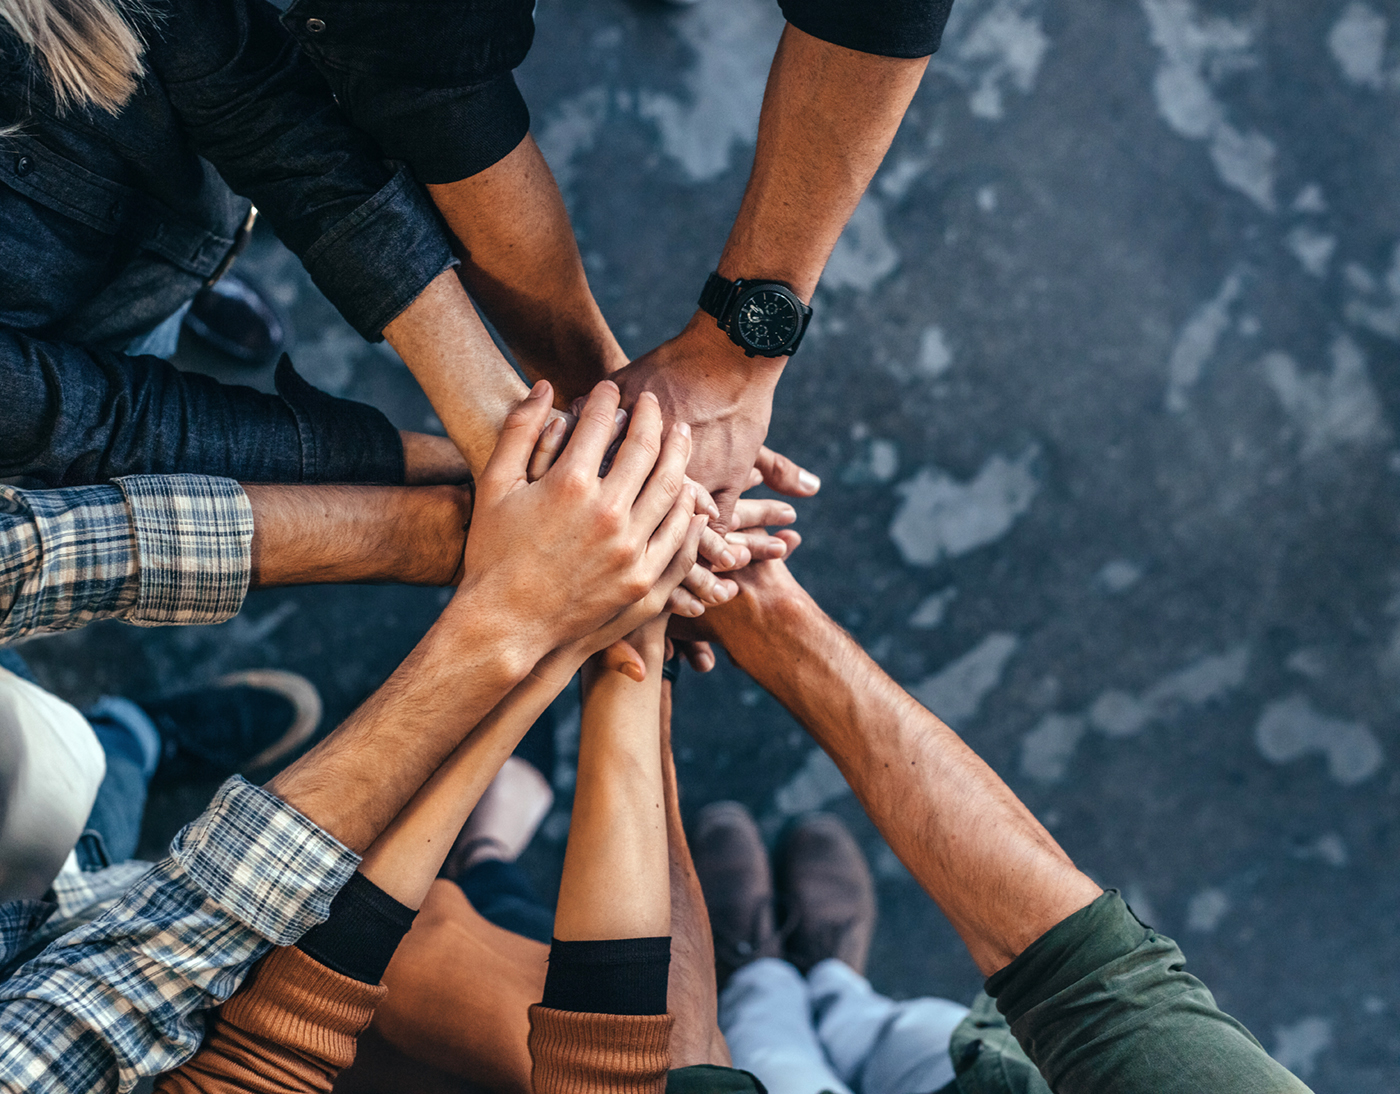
(997, 874)
(829, 115)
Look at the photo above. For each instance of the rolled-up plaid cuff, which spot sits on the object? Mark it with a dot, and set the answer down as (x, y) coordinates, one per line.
(263, 862)
(194, 542)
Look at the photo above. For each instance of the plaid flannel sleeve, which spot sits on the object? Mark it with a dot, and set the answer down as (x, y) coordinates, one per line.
(150, 549)
(123, 997)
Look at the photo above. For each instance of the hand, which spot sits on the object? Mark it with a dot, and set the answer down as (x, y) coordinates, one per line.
(566, 554)
(702, 378)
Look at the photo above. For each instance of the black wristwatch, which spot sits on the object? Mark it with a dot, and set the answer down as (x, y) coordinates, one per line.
(762, 318)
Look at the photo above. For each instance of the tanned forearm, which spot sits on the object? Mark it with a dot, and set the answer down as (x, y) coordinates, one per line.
(429, 460)
(997, 874)
(692, 996)
(448, 350)
(829, 115)
(521, 263)
(310, 535)
(356, 781)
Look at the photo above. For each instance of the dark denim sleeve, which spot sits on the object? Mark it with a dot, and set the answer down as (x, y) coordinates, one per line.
(259, 112)
(1100, 1002)
(890, 28)
(430, 80)
(73, 415)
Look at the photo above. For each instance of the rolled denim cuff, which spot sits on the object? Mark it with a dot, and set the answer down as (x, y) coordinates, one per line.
(445, 133)
(263, 863)
(341, 440)
(886, 28)
(376, 261)
(194, 544)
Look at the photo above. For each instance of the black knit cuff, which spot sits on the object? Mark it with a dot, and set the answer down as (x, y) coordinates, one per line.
(887, 28)
(615, 976)
(360, 936)
(341, 440)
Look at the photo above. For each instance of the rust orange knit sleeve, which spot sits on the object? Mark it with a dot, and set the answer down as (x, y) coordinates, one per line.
(292, 1027)
(576, 1053)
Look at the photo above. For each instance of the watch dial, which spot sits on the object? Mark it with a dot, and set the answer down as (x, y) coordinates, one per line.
(766, 320)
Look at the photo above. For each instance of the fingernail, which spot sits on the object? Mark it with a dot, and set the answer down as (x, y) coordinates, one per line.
(727, 557)
(725, 593)
(683, 428)
(556, 429)
(620, 416)
(609, 383)
(788, 512)
(809, 481)
(541, 386)
(692, 491)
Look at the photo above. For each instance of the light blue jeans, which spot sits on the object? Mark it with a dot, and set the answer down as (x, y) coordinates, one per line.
(831, 1031)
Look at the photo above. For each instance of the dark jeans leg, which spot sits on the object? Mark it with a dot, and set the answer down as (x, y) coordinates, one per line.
(132, 745)
(503, 895)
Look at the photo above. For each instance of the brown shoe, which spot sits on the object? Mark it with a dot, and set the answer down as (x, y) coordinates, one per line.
(732, 865)
(825, 894)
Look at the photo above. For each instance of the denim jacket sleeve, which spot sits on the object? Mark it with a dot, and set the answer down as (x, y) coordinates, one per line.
(431, 80)
(74, 415)
(253, 106)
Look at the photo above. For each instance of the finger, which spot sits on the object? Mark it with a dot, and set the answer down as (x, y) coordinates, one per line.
(700, 655)
(715, 550)
(674, 546)
(762, 513)
(621, 657)
(710, 589)
(667, 482)
(705, 504)
(791, 538)
(755, 477)
(784, 476)
(547, 449)
(760, 545)
(640, 449)
(519, 435)
(596, 422)
(684, 603)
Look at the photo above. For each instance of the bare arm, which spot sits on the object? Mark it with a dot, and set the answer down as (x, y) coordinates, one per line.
(308, 535)
(521, 262)
(617, 837)
(997, 874)
(448, 350)
(829, 115)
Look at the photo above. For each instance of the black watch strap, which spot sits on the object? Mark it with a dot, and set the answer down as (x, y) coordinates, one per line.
(718, 296)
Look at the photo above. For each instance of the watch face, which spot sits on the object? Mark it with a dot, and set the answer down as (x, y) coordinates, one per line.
(766, 319)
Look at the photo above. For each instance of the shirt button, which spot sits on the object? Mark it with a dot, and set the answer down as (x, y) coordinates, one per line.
(315, 26)
(23, 165)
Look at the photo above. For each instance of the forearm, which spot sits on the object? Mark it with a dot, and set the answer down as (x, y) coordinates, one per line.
(447, 348)
(305, 535)
(692, 996)
(993, 869)
(431, 461)
(521, 263)
(356, 781)
(617, 836)
(829, 115)
(406, 858)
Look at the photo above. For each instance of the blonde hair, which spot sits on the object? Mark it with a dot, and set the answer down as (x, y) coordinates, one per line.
(89, 50)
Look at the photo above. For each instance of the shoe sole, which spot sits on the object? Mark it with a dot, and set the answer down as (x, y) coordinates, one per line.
(297, 690)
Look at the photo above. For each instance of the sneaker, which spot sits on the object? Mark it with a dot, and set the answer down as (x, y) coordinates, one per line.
(243, 721)
(732, 865)
(233, 317)
(825, 894)
(504, 821)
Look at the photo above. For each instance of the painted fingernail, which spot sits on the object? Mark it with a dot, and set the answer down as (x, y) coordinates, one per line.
(808, 481)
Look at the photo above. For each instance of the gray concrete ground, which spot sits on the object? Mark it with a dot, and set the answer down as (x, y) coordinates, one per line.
(1103, 386)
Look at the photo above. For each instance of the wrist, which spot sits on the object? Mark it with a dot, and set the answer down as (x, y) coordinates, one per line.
(433, 535)
(722, 364)
(481, 635)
